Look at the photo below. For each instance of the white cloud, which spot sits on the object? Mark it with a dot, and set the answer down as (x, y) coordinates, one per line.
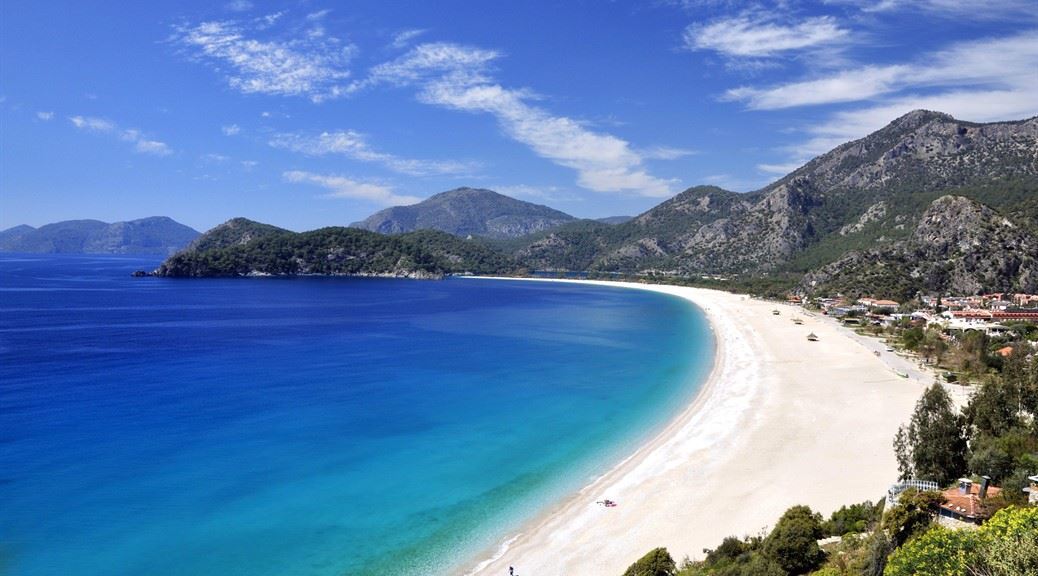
(847, 86)
(986, 80)
(403, 39)
(92, 123)
(971, 105)
(343, 187)
(432, 61)
(603, 162)
(140, 144)
(230, 129)
(45, 116)
(249, 164)
(458, 77)
(537, 193)
(781, 169)
(313, 66)
(153, 147)
(974, 9)
(666, 153)
(1009, 62)
(354, 145)
(762, 36)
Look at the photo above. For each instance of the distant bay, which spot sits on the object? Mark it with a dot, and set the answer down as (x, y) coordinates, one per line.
(311, 425)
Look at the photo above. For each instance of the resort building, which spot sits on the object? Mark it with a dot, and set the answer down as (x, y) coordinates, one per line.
(965, 503)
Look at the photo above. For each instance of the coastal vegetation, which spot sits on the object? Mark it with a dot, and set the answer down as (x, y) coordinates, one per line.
(995, 434)
(339, 251)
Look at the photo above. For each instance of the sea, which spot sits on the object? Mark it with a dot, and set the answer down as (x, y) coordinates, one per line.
(312, 426)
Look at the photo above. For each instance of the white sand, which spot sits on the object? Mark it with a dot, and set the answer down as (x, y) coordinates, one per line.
(781, 421)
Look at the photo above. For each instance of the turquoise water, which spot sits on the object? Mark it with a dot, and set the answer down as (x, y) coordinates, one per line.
(317, 426)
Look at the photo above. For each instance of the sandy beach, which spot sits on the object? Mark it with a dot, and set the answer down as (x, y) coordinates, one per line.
(781, 421)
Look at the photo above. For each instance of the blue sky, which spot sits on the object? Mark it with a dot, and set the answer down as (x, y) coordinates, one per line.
(309, 113)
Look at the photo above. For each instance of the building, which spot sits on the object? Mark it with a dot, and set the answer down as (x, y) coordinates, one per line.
(894, 492)
(965, 502)
(1032, 491)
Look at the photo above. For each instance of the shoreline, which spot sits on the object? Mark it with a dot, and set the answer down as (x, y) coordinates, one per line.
(737, 455)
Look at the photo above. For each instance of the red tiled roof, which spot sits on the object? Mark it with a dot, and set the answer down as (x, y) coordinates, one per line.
(968, 505)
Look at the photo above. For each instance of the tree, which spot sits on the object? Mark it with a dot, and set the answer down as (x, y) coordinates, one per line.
(913, 514)
(879, 549)
(912, 338)
(854, 518)
(1008, 544)
(937, 552)
(932, 347)
(656, 563)
(793, 543)
(933, 445)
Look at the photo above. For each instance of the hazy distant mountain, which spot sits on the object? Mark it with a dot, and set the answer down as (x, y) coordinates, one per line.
(467, 211)
(614, 219)
(15, 234)
(157, 235)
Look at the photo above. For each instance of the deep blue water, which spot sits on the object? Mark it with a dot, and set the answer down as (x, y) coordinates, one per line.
(317, 426)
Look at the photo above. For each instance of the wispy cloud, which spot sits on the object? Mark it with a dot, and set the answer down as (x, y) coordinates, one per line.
(343, 187)
(313, 65)
(403, 39)
(153, 147)
(354, 145)
(666, 153)
(974, 9)
(141, 144)
(847, 86)
(434, 61)
(779, 169)
(1008, 62)
(972, 105)
(537, 193)
(460, 78)
(230, 129)
(92, 123)
(762, 36)
(45, 116)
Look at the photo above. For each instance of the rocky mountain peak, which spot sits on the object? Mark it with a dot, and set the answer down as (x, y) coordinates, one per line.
(465, 211)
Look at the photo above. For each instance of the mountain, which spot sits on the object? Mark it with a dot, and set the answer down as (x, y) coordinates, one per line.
(157, 235)
(467, 211)
(335, 251)
(614, 219)
(15, 234)
(926, 203)
(959, 246)
(233, 232)
(862, 194)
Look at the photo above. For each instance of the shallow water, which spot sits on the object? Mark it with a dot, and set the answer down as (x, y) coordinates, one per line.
(311, 425)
